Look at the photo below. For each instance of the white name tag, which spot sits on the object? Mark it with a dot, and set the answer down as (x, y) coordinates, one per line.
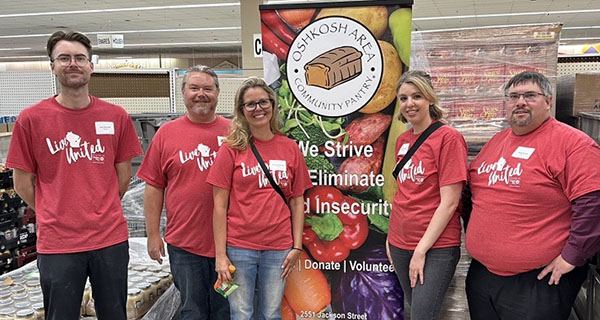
(220, 140)
(403, 149)
(105, 127)
(523, 153)
(277, 165)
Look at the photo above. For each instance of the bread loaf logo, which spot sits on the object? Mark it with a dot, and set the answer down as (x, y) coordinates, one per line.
(334, 66)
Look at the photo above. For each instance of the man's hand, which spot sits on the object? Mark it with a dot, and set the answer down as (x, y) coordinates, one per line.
(558, 267)
(156, 248)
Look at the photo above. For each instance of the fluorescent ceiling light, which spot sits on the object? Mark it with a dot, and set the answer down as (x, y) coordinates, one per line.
(126, 31)
(581, 28)
(471, 16)
(123, 57)
(167, 30)
(23, 57)
(13, 49)
(577, 39)
(180, 43)
(52, 13)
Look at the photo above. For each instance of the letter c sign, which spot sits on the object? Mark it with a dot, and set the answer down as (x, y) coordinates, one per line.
(257, 43)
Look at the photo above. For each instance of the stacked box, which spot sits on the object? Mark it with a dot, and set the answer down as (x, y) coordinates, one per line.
(469, 68)
(576, 93)
(17, 227)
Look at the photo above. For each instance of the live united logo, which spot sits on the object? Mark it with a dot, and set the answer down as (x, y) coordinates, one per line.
(75, 148)
(280, 176)
(412, 172)
(202, 154)
(501, 171)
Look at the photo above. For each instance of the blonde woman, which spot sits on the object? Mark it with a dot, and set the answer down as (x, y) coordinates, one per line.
(424, 234)
(255, 229)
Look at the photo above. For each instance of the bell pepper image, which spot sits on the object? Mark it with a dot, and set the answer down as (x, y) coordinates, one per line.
(330, 235)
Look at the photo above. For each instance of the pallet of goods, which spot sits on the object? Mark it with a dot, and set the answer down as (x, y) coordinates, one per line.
(469, 68)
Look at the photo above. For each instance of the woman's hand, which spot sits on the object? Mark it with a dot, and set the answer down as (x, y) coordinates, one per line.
(222, 267)
(415, 268)
(290, 262)
(388, 253)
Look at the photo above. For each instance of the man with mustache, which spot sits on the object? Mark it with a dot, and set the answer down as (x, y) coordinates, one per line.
(175, 169)
(71, 156)
(536, 211)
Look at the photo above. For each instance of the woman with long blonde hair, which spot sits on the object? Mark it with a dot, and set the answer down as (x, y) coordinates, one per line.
(424, 235)
(256, 229)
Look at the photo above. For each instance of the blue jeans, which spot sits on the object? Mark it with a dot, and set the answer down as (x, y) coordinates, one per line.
(194, 277)
(425, 300)
(263, 268)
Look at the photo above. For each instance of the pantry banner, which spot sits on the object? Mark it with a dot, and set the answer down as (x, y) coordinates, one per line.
(335, 67)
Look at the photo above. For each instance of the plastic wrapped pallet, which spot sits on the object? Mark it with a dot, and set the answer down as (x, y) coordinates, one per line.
(469, 68)
(133, 209)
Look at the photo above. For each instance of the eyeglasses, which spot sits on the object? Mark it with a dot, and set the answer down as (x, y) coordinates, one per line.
(528, 96)
(263, 103)
(65, 60)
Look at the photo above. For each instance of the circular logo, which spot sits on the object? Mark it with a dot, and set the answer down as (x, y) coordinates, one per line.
(334, 66)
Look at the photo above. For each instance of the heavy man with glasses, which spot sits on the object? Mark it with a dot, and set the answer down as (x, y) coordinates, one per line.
(71, 156)
(175, 169)
(536, 211)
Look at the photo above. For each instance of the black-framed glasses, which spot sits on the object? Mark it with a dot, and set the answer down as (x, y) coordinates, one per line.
(529, 96)
(263, 103)
(65, 60)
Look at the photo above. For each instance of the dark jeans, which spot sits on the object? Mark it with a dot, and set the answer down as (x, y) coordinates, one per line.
(522, 296)
(63, 276)
(194, 277)
(425, 300)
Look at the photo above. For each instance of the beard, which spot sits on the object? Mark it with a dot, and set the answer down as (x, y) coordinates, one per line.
(519, 121)
(202, 109)
(67, 82)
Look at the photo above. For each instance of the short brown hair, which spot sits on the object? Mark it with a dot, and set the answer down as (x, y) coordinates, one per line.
(73, 36)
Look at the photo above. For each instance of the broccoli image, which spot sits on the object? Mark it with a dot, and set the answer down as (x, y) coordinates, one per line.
(316, 136)
(319, 162)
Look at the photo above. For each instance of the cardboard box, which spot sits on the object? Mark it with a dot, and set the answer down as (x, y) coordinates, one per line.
(576, 93)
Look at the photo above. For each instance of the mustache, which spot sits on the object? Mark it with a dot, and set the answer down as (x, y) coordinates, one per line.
(521, 109)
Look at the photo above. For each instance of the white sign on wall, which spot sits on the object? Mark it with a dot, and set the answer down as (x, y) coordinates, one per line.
(110, 41)
(117, 40)
(104, 41)
(257, 45)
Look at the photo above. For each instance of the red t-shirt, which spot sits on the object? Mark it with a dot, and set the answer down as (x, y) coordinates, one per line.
(178, 160)
(440, 161)
(257, 217)
(522, 191)
(73, 155)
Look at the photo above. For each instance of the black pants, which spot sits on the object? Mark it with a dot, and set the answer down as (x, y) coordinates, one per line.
(63, 277)
(522, 296)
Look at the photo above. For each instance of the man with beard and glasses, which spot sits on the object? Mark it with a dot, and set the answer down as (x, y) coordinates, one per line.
(71, 156)
(536, 211)
(175, 169)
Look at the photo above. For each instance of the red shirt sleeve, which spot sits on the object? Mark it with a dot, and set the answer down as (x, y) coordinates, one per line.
(577, 179)
(20, 151)
(453, 160)
(221, 172)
